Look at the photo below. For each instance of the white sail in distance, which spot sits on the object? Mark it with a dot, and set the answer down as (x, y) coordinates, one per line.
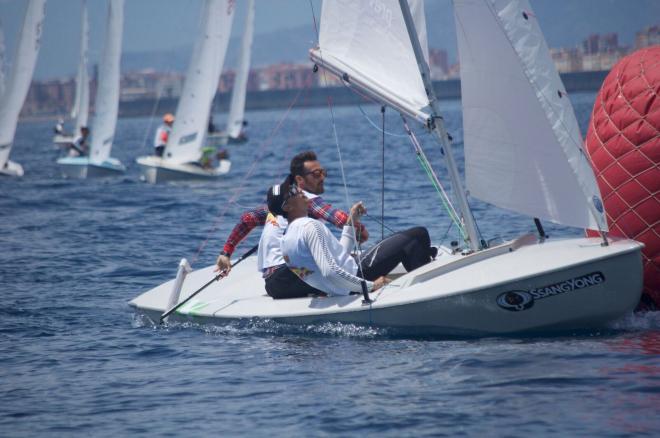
(367, 43)
(21, 75)
(2, 62)
(523, 147)
(237, 104)
(80, 110)
(107, 93)
(186, 140)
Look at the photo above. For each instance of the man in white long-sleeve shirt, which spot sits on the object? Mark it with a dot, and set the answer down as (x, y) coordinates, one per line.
(325, 263)
(162, 134)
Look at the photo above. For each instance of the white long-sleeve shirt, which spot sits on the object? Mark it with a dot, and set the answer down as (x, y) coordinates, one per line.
(162, 133)
(319, 259)
(270, 252)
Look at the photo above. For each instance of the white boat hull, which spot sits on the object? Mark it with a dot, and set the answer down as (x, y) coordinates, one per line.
(156, 170)
(223, 139)
(82, 167)
(12, 168)
(519, 287)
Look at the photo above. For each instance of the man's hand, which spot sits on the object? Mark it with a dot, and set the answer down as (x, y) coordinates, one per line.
(357, 210)
(223, 264)
(380, 282)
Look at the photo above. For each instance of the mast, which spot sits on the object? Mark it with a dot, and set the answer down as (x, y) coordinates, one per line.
(438, 127)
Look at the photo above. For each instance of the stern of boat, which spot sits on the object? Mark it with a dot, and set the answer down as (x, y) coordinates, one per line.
(12, 169)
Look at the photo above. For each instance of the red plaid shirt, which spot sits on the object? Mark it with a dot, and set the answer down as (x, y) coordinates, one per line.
(257, 218)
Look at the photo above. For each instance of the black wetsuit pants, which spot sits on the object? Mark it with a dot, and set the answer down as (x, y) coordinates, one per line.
(411, 247)
(283, 283)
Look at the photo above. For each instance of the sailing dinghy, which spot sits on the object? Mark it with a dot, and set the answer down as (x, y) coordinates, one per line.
(16, 88)
(524, 153)
(99, 163)
(234, 131)
(184, 149)
(80, 110)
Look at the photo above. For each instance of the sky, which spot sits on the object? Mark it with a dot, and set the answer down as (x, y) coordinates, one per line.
(284, 29)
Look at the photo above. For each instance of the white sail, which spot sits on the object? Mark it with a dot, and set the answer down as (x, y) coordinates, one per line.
(523, 148)
(237, 104)
(2, 62)
(21, 75)
(80, 110)
(368, 42)
(107, 94)
(192, 114)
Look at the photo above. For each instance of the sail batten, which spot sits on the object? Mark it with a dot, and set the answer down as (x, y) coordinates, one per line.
(523, 147)
(186, 141)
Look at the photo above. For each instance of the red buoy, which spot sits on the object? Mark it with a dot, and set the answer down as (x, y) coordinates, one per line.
(623, 142)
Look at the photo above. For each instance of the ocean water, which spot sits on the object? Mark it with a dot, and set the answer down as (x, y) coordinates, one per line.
(76, 361)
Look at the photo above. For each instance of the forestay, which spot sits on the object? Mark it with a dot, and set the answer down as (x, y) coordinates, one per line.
(523, 147)
(237, 105)
(368, 41)
(80, 110)
(185, 143)
(107, 94)
(21, 75)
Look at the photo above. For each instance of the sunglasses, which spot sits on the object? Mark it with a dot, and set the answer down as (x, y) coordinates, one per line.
(317, 173)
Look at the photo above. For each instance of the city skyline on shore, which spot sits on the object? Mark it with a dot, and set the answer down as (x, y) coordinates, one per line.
(159, 33)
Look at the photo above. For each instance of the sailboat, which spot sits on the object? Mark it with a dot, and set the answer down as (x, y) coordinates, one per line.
(185, 144)
(235, 129)
(80, 110)
(99, 163)
(18, 84)
(523, 152)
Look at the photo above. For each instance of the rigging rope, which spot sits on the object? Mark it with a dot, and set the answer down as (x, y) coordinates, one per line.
(343, 173)
(240, 187)
(423, 161)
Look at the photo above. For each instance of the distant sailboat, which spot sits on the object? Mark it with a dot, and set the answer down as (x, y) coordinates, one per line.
(80, 110)
(18, 84)
(235, 130)
(184, 150)
(98, 162)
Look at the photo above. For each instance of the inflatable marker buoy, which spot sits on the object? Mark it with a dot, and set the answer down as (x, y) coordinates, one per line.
(623, 142)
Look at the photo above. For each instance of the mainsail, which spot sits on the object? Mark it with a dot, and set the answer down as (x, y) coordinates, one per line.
(523, 147)
(107, 94)
(21, 75)
(80, 110)
(185, 143)
(367, 43)
(237, 104)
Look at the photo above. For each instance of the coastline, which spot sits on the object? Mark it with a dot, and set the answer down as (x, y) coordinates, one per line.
(588, 81)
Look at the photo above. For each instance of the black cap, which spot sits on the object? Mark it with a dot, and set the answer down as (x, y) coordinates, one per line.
(277, 195)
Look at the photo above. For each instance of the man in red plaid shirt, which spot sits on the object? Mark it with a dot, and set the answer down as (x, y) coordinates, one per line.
(309, 176)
